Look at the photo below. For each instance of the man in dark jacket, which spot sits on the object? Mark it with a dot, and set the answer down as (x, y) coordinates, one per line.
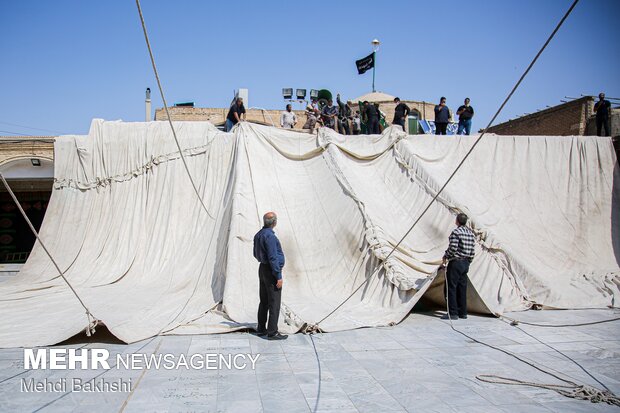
(268, 251)
(401, 111)
(344, 114)
(442, 117)
(235, 114)
(372, 118)
(602, 109)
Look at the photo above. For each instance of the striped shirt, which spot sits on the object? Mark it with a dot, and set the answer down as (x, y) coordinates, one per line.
(461, 244)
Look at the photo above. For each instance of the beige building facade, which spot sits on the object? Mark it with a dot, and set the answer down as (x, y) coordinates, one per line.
(27, 163)
(217, 116)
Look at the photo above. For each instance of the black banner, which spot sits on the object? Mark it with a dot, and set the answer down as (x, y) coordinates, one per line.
(365, 64)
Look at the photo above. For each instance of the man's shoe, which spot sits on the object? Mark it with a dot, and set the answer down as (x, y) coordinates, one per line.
(277, 336)
(464, 317)
(261, 333)
(448, 317)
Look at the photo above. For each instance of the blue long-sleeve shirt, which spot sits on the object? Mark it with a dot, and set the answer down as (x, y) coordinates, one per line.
(267, 250)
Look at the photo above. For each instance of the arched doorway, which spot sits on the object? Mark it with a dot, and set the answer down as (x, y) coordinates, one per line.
(412, 122)
(31, 179)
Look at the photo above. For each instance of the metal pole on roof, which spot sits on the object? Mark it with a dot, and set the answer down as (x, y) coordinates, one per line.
(374, 64)
(375, 46)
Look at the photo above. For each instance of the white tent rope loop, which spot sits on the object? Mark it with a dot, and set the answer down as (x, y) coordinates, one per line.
(92, 322)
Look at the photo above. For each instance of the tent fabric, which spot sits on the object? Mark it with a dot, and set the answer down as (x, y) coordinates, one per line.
(147, 258)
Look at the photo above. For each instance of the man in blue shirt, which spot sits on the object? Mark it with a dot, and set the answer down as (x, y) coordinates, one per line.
(268, 251)
(465, 112)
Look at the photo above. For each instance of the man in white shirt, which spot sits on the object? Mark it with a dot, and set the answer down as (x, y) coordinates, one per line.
(288, 119)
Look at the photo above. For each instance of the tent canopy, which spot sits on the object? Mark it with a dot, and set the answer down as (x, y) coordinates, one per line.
(146, 258)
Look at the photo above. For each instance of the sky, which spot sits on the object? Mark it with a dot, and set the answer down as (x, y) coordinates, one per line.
(64, 63)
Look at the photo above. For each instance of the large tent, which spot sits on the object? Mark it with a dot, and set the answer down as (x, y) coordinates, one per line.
(147, 257)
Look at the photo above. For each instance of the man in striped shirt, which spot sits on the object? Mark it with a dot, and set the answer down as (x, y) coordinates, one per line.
(459, 254)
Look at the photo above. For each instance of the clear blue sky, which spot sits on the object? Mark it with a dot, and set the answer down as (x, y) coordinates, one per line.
(66, 62)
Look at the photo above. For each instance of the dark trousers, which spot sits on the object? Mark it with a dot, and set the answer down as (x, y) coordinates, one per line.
(600, 124)
(270, 297)
(400, 121)
(440, 128)
(457, 287)
(373, 126)
(344, 127)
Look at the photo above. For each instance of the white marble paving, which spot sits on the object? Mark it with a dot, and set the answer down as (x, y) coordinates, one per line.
(420, 365)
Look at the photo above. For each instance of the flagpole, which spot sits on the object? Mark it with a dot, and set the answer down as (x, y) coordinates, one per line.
(374, 59)
(375, 46)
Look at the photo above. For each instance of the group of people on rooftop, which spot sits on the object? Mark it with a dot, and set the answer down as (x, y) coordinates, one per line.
(341, 119)
(443, 116)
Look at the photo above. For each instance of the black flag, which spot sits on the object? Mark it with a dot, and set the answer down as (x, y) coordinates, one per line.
(365, 64)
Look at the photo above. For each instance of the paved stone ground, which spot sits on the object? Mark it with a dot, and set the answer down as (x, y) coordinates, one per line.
(420, 365)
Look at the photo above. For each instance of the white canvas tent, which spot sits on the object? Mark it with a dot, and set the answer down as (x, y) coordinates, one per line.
(146, 258)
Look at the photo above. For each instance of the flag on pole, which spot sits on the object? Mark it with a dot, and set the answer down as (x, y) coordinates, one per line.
(365, 64)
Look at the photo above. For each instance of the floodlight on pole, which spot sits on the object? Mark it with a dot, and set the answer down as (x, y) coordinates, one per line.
(375, 44)
(287, 93)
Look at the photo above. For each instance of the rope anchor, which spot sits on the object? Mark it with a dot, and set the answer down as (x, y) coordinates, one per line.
(92, 324)
(572, 390)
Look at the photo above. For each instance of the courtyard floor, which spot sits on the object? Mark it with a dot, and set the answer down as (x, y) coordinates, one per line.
(420, 365)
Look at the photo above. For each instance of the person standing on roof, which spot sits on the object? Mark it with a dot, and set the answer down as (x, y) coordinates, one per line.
(372, 118)
(312, 115)
(442, 117)
(344, 113)
(268, 251)
(465, 113)
(330, 115)
(357, 123)
(288, 119)
(235, 114)
(458, 256)
(602, 109)
(401, 111)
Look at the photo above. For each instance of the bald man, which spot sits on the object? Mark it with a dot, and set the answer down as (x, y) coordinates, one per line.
(268, 251)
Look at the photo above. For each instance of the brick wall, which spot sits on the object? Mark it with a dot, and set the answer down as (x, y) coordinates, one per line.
(562, 120)
(426, 109)
(217, 116)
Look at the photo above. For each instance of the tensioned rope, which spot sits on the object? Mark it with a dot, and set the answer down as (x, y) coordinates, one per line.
(568, 389)
(559, 352)
(92, 322)
(514, 322)
(315, 327)
(163, 98)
